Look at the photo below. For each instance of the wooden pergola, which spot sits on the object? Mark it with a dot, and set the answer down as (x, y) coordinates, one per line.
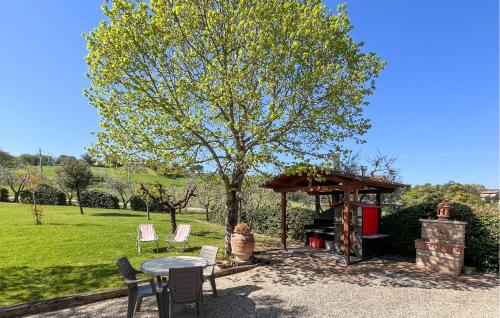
(342, 186)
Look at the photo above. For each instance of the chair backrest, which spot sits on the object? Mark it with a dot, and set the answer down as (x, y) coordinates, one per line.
(126, 269)
(146, 232)
(209, 253)
(182, 232)
(184, 284)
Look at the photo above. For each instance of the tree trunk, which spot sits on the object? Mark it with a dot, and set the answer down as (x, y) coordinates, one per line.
(79, 202)
(147, 210)
(206, 212)
(232, 208)
(16, 196)
(173, 221)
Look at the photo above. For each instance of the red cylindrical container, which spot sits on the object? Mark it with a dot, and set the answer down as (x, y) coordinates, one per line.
(320, 242)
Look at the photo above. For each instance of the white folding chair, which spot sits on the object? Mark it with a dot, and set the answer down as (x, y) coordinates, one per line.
(146, 233)
(181, 235)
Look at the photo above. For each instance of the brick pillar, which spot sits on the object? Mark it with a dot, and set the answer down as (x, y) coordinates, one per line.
(442, 243)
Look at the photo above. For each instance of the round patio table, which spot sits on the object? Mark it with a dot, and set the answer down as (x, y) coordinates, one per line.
(160, 266)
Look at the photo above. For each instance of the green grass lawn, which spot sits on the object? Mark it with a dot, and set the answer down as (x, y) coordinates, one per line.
(72, 253)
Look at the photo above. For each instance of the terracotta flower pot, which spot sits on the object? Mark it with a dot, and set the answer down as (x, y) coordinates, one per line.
(242, 246)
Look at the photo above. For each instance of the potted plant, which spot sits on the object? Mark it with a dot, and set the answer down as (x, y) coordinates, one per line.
(242, 242)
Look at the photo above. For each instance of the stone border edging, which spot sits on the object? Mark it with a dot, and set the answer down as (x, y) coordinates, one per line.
(40, 306)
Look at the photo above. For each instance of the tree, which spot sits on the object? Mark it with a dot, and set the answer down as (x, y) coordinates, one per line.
(450, 192)
(88, 158)
(33, 182)
(121, 188)
(16, 179)
(61, 184)
(167, 198)
(196, 169)
(225, 83)
(6, 159)
(28, 159)
(75, 175)
(61, 158)
(209, 192)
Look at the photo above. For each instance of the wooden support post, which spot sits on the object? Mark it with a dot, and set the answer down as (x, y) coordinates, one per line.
(379, 203)
(355, 196)
(346, 226)
(317, 202)
(283, 220)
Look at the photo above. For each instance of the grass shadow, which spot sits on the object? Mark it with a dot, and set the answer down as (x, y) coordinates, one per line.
(23, 283)
(118, 214)
(76, 224)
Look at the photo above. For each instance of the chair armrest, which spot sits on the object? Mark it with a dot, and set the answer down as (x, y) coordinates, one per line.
(142, 280)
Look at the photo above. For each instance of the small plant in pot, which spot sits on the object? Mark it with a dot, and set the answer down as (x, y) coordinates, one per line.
(242, 242)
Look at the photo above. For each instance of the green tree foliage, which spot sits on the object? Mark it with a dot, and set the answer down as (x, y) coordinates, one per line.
(16, 179)
(433, 194)
(241, 85)
(75, 175)
(209, 193)
(120, 188)
(6, 158)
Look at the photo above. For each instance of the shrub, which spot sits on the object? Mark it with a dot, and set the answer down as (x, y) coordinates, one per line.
(98, 199)
(4, 195)
(267, 219)
(44, 194)
(137, 203)
(481, 236)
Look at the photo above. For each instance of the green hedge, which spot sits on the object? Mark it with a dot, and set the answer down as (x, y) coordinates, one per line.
(99, 199)
(267, 219)
(482, 231)
(137, 203)
(44, 194)
(4, 195)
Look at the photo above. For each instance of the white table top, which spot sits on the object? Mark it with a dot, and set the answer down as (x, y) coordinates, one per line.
(160, 266)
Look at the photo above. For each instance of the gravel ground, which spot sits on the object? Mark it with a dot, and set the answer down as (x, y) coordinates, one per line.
(298, 285)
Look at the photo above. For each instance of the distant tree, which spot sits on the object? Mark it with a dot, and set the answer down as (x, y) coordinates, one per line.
(209, 193)
(60, 183)
(196, 169)
(61, 158)
(75, 175)
(450, 192)
(88, 158)
(15, 178)
(167, 198)
(6, 159)
(121, 188)
(29, 159)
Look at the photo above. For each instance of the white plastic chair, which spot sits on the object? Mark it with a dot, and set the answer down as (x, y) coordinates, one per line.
(146, 233)
(181, 235)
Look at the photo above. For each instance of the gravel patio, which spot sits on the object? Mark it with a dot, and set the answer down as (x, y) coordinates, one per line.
(298, 284)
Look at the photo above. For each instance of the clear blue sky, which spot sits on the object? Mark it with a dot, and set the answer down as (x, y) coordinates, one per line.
(435, 108)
